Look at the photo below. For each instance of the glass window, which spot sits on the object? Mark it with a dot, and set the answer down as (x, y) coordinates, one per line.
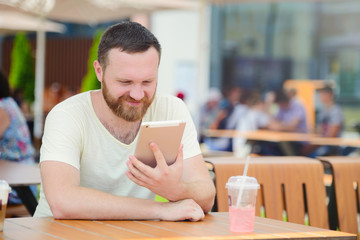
(263, 44)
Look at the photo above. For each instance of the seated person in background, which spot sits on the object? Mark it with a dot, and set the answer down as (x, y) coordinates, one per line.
(291, 115)
(15, 138)
(231, 110)
(330, 123)
(209, 111)
(255, 118)
(87, 164)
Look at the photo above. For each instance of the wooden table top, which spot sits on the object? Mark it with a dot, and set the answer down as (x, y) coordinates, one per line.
(277, 136)
(214, 226)
(260, 135)
(17, 174)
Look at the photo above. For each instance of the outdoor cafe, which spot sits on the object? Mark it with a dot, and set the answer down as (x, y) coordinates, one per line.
(271, 88)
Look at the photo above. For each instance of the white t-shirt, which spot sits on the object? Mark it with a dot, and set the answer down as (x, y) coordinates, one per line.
(73, 134)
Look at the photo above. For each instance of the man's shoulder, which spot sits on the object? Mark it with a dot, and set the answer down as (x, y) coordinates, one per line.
(165, 99)
(165, 106)
(74, 103)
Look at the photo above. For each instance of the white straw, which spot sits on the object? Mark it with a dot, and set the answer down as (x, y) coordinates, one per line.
(243, 182)
(246, 166)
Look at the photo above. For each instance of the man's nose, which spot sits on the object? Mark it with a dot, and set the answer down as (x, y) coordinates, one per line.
(137, 93)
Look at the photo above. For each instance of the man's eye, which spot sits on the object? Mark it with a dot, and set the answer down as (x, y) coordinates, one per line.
(125, 82)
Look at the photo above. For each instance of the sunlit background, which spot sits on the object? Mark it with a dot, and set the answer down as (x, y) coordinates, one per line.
(251, 44)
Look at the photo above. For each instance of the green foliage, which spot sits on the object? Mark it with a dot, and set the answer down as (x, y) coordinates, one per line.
(90, 81)
(22, 75)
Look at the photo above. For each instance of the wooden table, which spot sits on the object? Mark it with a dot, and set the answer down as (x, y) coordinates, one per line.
(284, 138)
(214, 226)
(20, 177)
(261, 135)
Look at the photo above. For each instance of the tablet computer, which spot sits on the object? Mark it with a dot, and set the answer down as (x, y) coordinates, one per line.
(166, 134)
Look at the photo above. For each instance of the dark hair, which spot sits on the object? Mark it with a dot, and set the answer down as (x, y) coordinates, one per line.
(4, 85)
(327, 89)
(281, 96)
(130, 37)
(254, 98)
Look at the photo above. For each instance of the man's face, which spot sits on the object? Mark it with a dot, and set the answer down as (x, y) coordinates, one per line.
(325, 97)
(129, 82)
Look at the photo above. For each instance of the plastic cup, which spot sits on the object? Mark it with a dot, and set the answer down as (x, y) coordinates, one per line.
(4, 194)
(242, 191)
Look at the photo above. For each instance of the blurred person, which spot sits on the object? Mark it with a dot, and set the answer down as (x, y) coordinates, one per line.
(231, 110)
(227, 105)
(257, 117)
(330, 123)
(209, 111)
(15, 139)
(291, 115)
(331, 117)
(25, 106)
(86, 160)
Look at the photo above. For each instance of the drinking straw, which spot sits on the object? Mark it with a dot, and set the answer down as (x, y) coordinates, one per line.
(246, 166)
(243, 182)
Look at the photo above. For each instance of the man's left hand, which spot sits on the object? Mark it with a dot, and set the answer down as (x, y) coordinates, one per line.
(163, 180)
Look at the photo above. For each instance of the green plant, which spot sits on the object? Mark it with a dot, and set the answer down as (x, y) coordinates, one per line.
(90, 80)
(22, 75)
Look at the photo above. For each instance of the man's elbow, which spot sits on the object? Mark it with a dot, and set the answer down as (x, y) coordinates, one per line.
(209, 203)
(60, 210)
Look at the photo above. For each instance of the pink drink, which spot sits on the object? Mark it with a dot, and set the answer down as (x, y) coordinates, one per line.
(241, 219)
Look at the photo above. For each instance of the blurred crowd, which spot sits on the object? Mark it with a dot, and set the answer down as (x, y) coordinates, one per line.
(279, 110)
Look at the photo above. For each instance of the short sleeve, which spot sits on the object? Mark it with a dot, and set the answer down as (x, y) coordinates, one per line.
(191, 144)
(62, 139)
(336, 116)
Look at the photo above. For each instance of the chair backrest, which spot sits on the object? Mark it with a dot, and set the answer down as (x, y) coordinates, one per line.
(346, 177)
(293, 184)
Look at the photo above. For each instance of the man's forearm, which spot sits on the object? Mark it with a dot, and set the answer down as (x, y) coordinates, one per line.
(92, 204)
(86, 203)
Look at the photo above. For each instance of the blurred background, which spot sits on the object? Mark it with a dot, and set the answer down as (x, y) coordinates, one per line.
(256, 45)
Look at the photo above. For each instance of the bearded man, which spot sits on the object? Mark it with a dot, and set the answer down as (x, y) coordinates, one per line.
(87, 164)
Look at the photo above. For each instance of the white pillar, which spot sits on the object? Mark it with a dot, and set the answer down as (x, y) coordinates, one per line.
(39, 83)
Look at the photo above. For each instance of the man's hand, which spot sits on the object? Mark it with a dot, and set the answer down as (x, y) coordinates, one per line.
(163, 180)
(186, 209)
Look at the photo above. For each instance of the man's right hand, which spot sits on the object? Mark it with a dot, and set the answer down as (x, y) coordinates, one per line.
(186, 209)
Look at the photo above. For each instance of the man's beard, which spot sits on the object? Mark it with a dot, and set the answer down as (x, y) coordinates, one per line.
(122, 109)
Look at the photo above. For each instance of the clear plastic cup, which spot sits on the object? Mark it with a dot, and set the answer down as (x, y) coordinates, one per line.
(242, 191)
(4, 194)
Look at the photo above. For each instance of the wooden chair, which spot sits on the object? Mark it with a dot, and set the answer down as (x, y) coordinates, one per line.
(13, 211)
(291, 184)
(346, 177)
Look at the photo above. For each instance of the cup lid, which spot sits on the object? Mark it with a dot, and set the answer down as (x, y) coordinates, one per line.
(242, 181)
(4, 185)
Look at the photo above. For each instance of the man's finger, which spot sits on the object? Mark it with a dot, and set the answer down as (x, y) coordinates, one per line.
(160, 159)
(136, 172)
(180, 155)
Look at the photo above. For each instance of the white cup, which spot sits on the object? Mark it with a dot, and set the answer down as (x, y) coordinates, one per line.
(242, 191)
(4, 194)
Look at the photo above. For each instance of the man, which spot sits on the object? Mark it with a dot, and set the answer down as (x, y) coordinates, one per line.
(231, 108)
(331, 118)
(330, 123)
(291, 116)
(87, 165)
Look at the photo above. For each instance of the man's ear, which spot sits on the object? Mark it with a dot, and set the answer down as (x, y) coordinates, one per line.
(98, 70)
